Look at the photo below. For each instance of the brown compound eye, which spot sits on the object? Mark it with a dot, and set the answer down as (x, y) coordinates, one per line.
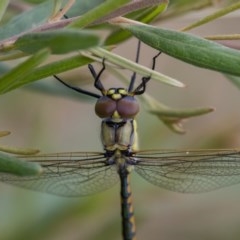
(127, 107)
(105, 107)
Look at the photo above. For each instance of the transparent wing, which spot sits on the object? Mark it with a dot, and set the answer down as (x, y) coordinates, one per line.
(189, 171)
(68, 174)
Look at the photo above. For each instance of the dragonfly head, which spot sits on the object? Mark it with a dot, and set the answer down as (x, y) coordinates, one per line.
(117, 103)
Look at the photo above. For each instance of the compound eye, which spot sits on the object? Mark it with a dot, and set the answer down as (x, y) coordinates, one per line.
(105, 107)
(127, 107)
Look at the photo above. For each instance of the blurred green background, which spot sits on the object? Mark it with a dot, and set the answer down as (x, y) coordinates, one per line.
(55, 124)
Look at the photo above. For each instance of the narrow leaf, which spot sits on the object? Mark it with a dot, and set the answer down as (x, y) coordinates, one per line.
(127, 64)
(131, 7)
(27, 19)
(13, 165)
(98, 12)
(213, 16)
(11, 55)
(172, 118)
(20, 151)
(143, 15)
(184, 113)
(4, 133)
(50, 69)
(3, 7)
(22, 70)
(59, 41)
(189, 48)
(81, 7)
(180, 7)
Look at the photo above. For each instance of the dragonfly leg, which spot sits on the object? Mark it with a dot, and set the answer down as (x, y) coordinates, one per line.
(154, 60)
(77, 89)
(142, 86)
(96, 76)
(133, 78)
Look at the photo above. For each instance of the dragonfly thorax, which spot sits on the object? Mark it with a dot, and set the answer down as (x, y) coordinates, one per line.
(119, 135)
(117, 103)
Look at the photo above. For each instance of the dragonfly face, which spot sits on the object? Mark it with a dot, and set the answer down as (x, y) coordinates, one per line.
(117, 104)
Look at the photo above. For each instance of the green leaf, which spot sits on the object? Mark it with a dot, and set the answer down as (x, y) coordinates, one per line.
(100, 11)
(213, 16)
(172, 118)
(59, 41)
(3, 7)
(11, 55)
(4, 133)
(50, 69)
(189, 48)
(144, 15)
(15, 150)
(127, 64)
(27, 20)
(180, 7)
(18, 73)
(183, 113)
(80, 7)
(13, 165)
(19, 151)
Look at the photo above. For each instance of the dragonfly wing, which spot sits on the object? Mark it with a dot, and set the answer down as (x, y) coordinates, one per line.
(190, 171)
(68, 174)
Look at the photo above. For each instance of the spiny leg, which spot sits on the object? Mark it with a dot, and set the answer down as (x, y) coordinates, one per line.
(140, 89)
(97, 82)
(96, 76)
(80, 90)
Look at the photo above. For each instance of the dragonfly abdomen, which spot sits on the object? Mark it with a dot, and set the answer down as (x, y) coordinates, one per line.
(128, 220)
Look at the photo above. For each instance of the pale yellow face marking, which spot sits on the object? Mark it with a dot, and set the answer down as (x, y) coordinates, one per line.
(110, 91)
(116, 96)
(115, 114)
(123, 91)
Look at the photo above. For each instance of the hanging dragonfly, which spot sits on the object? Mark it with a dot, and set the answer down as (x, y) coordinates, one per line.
(84, 173)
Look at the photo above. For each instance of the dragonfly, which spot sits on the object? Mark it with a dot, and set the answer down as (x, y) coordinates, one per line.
(75, 174)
